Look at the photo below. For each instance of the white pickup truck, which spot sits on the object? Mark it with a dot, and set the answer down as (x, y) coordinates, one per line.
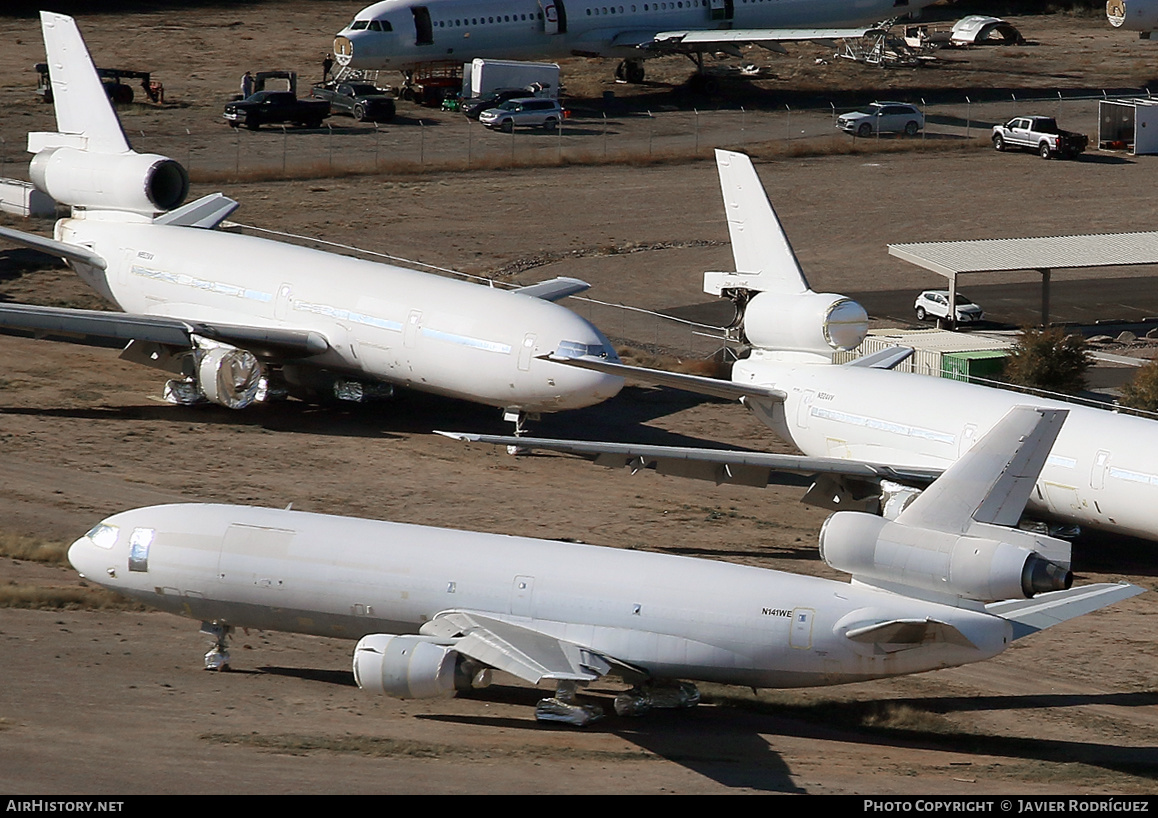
(1041, 134)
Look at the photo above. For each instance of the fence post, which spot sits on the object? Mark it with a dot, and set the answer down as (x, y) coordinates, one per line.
(330, 128)
(188, 149)
(421, 144)
(925, 114)
(604, 134)
(284, 147)
(469, 136)
(697, 129)
(968, 115)
(787, 122)
(651, 131)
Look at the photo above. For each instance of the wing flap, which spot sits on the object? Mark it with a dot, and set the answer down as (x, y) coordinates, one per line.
(113, 329)
(707, 39)
(529, 654)
(721, 465)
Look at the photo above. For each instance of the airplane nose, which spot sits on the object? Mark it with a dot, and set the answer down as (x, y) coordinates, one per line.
(343, 50)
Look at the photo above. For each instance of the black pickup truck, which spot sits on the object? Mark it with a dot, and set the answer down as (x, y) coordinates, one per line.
(272, 107)
(361, 100)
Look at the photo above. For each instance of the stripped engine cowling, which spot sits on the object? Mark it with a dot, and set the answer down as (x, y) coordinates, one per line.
(408, 667)
(975, 567)
(229, 376)
(818, 323)
(145, 183)
(1133, 15)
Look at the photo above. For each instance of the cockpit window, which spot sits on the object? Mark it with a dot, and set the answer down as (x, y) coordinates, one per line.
(358, 25)
(139, 542)
(574, 349)
(103, 536)
(381, 25)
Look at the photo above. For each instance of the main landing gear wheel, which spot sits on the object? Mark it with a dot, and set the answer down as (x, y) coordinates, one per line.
(519, 418)
(218, 656)
(630, 71)
(563, 707)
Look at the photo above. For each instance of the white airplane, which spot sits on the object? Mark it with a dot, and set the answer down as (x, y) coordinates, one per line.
(872, 437)
(946, 583)
(1133, 15)
(238, 318)
(405, 35)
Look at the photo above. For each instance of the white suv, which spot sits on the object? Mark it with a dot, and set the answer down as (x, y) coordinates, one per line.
(883, 117)
(529, 111)
(935, 304)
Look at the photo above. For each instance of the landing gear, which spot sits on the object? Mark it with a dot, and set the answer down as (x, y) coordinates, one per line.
(519, 418)
(563, 707)
(630, 71)
(656, 695)
(218, 656)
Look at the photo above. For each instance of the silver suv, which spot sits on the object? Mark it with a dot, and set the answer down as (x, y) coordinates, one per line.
(883, 117)
(528, 111)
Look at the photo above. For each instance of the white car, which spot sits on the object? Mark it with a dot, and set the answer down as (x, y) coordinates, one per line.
(883, 117)
(530, 111)
(935, 304)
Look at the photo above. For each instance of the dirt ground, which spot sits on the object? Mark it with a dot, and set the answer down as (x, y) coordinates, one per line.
(115, 702)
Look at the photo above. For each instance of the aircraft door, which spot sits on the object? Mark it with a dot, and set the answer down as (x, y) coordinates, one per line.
(1098, 472)
(521, 591)
(554, 16)
(801, 634)
(282, 304)
(526, 351)
(804, 409)
(413, 326)
(423, 28)
(967, 439)
(722, 9)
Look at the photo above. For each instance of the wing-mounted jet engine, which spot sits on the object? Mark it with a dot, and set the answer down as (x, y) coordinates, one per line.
(957, 538)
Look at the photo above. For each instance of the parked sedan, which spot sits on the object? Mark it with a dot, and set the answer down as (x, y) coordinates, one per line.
(883, 117)
(935, 304)
(360, 100)
(530, 111)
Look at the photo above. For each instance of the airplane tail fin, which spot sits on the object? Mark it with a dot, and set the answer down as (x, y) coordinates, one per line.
(1032, 615)
(765, 260)
(88, 162)
(82, 108)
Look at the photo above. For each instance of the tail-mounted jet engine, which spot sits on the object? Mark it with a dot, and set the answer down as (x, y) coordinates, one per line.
(1007, 565)
(145, 183)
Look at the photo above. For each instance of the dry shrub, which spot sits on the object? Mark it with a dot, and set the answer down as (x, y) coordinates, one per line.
(708, 368)
(1049, 359)
(52, 598)
(19, 547)
(1142, 391)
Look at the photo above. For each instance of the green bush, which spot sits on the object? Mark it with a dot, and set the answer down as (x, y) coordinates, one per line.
(1142, 391)
(1049, 359)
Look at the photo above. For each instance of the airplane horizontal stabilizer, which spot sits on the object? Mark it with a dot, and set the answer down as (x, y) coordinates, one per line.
(529, 654)
(114, 329)
(689, 383)
(71, 252)
(721, 466)
(904, 634)
(1045, 610)
(556, 289)
(883, 359)
(207, 212)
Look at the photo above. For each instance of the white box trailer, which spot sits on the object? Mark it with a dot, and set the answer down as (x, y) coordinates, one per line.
(1128, 124)
(22, 199)
(482, 77)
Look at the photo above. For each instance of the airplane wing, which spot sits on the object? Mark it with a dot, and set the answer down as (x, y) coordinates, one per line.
(115, 329)
(524, 652)
(555, 289)
(690, 383)
(757, 469)
(990, 483)
(728, 39)
(1045, 610)
(72, 252)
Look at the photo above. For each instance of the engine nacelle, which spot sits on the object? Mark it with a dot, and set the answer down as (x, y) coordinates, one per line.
(229, 376)
(1133, 15)
(969, 566)
(407, 667)
(135, 182)
(817, 323)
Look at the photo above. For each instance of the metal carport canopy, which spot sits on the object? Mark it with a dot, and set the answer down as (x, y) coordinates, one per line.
(954, 258)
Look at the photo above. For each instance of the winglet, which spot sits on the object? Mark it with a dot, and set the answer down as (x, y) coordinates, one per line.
(765, 260)
(83, 111)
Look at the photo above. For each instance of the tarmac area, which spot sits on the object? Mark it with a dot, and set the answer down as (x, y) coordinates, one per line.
(114, 702)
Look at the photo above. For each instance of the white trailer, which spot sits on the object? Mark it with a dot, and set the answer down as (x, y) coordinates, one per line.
(1128, 124)
(482, 77)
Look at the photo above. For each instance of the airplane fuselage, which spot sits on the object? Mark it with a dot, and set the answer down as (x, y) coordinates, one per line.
(382, 322)
(1100, 473)
(675, 617)
(404, 34)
